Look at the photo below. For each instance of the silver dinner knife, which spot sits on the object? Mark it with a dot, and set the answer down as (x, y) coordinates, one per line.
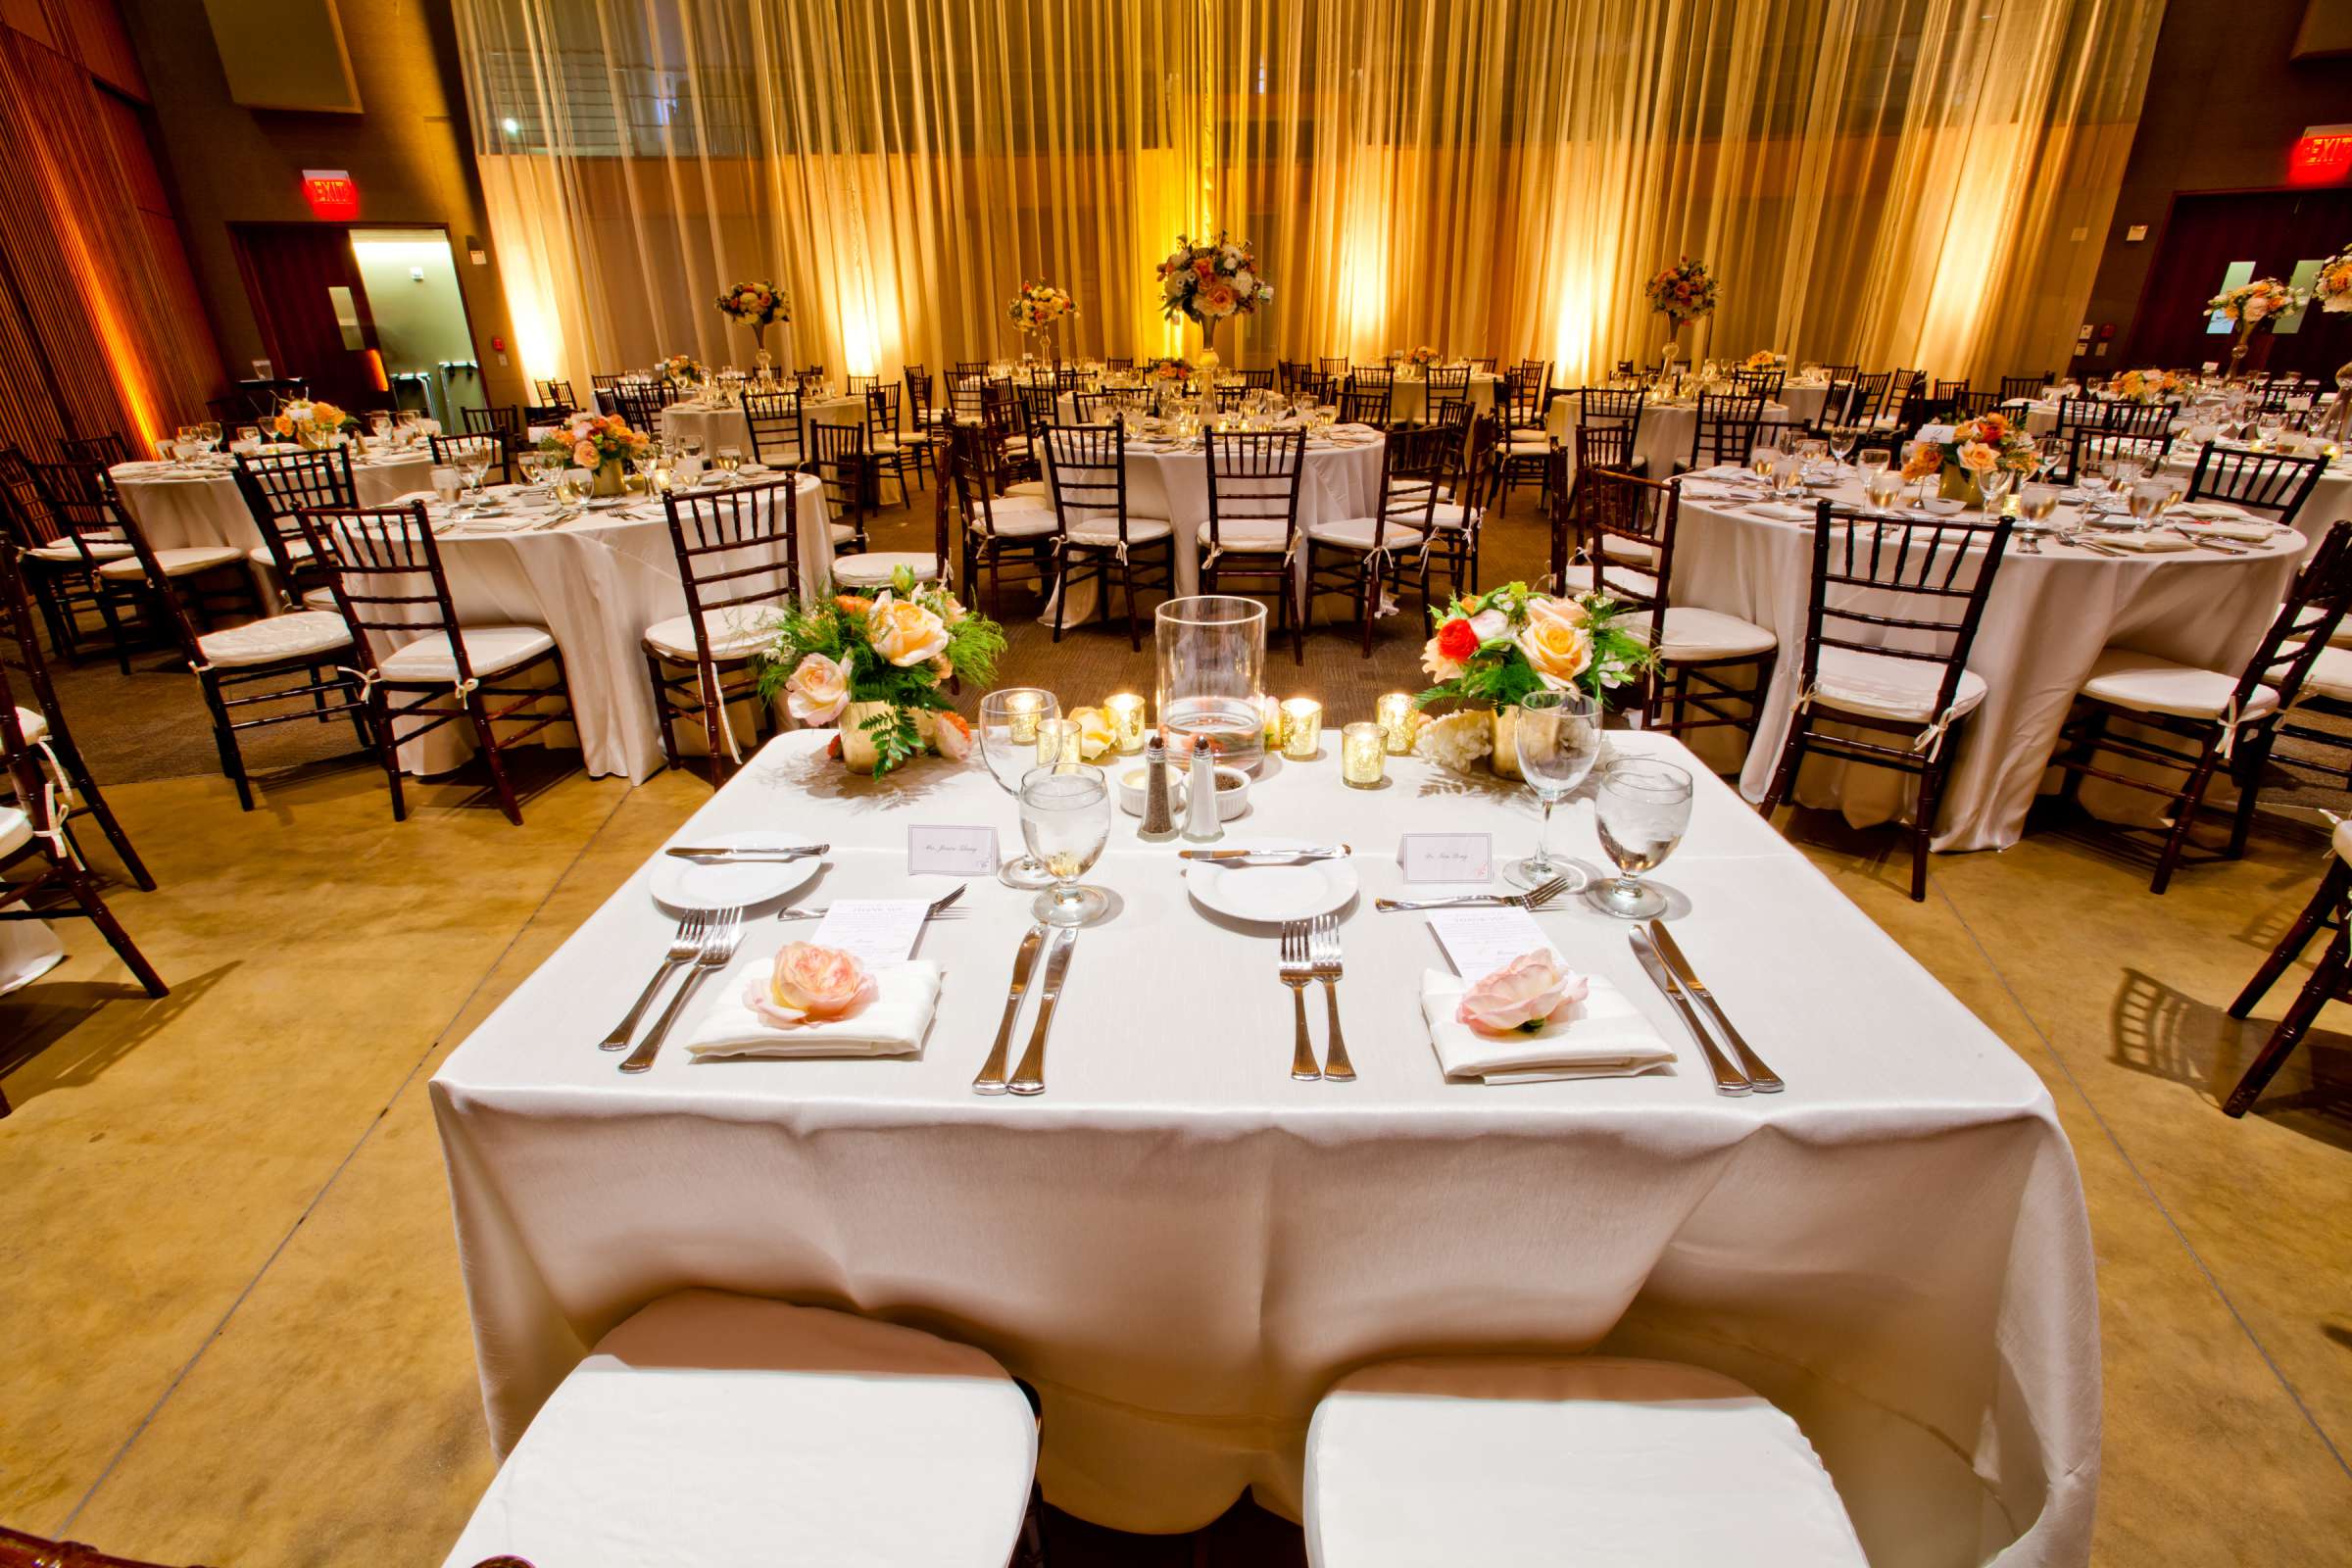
(749, 856)
(1029, 1078)
(1763, 1078)
(1339, 852)
(992, 1071)
(1728, 1080)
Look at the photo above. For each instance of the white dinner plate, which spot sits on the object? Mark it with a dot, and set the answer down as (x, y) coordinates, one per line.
(1269, 894)
(684, 885)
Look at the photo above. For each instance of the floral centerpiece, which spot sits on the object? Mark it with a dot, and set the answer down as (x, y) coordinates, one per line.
(1977, 447)
(874, 667)
(1493, 649)
(1683, 292)
(2332, 288)
(1039, 308)
(603, 444)
(314, 425)
(2147, 386)
(2250, 306)
(682, 369)
(1167, 373)
(1209, 283)
(1761, 359)
(757, 305)
(1422, 358)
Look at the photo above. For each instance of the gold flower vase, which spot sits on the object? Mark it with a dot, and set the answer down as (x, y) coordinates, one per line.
(1505, 756)
(610, 480)
(1958, 484)
(857, 742)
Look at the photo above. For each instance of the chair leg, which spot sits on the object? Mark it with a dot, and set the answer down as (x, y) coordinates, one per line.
(2185, 812)
(224, 738)
(714, 718)
(1784, 771)
(387, 752)
(2323, 983)
(359, 714)
(666, 712)
(488, 742)
(87, 788)
(1922, 829)
(2332, 890)
(113, 630)
(1062, 577)
(1135, 637)
(94, 907)
(1367, 593)
(2253, 756)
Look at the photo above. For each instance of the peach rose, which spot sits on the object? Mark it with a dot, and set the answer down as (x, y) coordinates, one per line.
(905, 632)
(817, 689)
(1978, 458)
(584, 455)
(1096, 733)
(808, 984)
(1560, 650)
(1523, 995)
(1218, 299)
(1567, 612)
(1926, 458)
(952, 735)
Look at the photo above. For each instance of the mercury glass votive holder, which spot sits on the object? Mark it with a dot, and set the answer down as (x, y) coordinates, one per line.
(1395, 713)
(1126, 710)
(1057, 743)
(1363, 754)
(1023, 711)
(1301, 728)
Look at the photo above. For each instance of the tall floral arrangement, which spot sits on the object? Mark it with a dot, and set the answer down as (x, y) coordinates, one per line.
(1683, 292)
(1040, 307)
(1210, 281)
(759, 305)
(2250, 306)
(2145, 386)
(875, 666)
(2332, 288)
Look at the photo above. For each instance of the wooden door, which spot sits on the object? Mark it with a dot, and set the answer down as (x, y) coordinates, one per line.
(289, 271)
(2274, 230)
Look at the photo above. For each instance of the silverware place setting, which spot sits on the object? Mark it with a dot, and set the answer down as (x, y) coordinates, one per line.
(721, 939)
(991, 1079)
(2214, 545)
(1298, 971)
(692, 928)
(1249, 858)
(721, 855)
(1323, 954)
(1543, 895)
(1751, 1065)
(1029, 1078)
(940, 908)
(1661, 959)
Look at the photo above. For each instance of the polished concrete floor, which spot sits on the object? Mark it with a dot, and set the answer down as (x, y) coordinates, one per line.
(235, 1330)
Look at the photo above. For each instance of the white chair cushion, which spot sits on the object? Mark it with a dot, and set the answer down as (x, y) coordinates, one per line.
(2159, 686)
(841, 533)
(1883, 686)
(1624, 580)
(296, 550)
(1355, 533)
(1255, 538)
(2332, 673)
(720, 1429)
(2342, 839)
(65, 553)
(734, 632)
(1449, 515)
(175, 563)
(266, 642)
(321, 598)
(490, 649)
(1695, 635)
(1535, 445)
(1106, 530)
(875, 568)
(1021, 517)
(16, 830)
(32, 724)
(1508, 1463)
(1026, 487)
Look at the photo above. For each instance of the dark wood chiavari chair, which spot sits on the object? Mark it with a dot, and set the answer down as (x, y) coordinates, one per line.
(555, 394)
(1472, 475)
(2275, 484)
(422, 665)
(1257, 380)
(1870, 392)
(1726, 429)
(459, 452)
(81, 504)
(2146, 421)
(41, 726)
(2028, 387)
(1598, 447)
(1003, 422)
(998, 530)
(1446, 387)
(503, 420)
(967, 395)
(60, 563)
(922, 434)
(1840, 402)
(101, 451)
(1362, 551)
(1231, 395)
(1975, 405)
(640, 404)
(1332, 366)
(1893, 611)
(738, 554)
(1037, 405)
(2079, 414)
(1367, 405)
(2331, 979)
(1483, 364)
(1765, 385)
(1526, 452)
(869, 570)
(1118, 363)
(778, 427)
(1906, 404)
(276, 486)
(1096, 535)
(1250, 539)
(858, 386)
(886, 448)
(2225, 720)
(1946, 395)
(2281, 394)
(1094, 408)
(1627, 533)
(2095, 452)
(838, 456)
(1287, 374)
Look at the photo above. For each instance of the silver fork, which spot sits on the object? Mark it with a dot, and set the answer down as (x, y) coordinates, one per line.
(725, 935)
(939, 907)
(682, 948)
(1543, 895)
(1323, 946)
(1297, 972)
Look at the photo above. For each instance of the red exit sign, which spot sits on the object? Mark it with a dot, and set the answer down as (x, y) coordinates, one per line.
(331, 192)
(2320, 155)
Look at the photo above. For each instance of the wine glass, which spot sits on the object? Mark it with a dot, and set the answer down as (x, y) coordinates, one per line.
(1010, 720)
(1557, 735)
(1873, 461)
(473, 461)
(1994, 487)
(2145, 498)
(2034, 505)
(1841, 442)
(1065, 820)
(730, 459)
(1643, 809)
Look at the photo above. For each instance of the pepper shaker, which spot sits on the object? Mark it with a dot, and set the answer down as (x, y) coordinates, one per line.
(1160, 812)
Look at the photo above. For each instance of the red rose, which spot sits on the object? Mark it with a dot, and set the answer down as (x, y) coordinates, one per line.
(1456, 641)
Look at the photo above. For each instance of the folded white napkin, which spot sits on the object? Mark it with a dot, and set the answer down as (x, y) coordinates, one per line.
(1781, 511)
(2147, 544)
(2209, 509)
(1600, 1037)
(893, 1024)
(2253, 530)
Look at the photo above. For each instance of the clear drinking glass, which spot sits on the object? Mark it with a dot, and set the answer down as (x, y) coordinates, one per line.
(1065, 819)
(1211, 655)
(474, 463)
(1008, 725)
(1557, 735)
(1994, 488)
(1643, 809)
(1873, 459)
(2146, 498)
(2034, 505)
(1841, 442)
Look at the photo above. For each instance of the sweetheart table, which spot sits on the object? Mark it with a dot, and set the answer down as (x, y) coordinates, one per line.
(1182, 1249)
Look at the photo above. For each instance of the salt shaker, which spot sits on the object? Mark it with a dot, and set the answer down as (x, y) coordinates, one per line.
(1201, 824)
(1159, 812)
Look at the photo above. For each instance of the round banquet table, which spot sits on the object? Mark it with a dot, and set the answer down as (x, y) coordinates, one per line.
(182, 508)
(1341, 481)
(2046, 621)
(595, 581)
(2329, 502)
(1409, 397)
(1803, 400)
(1667, 429)
(715, 427)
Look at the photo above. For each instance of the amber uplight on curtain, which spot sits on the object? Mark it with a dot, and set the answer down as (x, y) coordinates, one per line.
(1890, 183)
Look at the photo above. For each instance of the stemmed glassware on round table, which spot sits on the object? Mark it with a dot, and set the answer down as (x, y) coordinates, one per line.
(1557, 736)
(1011, 720)
(1643, 809)
(1065, 820)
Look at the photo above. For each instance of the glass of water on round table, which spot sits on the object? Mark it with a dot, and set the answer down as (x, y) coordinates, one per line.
(1644, 808)
(1557, 736)
(1065, 818)
(1010, 722)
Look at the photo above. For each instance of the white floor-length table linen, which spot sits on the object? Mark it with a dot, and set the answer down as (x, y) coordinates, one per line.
(1408, 396)
(722, 426)
(180, 509)
(2047, 618)
(1664, 438)
(28, 950)
(1182, 1249)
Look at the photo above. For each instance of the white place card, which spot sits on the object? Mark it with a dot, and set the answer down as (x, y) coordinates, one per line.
(1933, 433)
(879, 931)
(948, 851)
(1447, 857)
(1480, 940)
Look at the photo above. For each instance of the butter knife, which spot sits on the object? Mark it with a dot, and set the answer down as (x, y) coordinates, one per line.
(992, 1071)
(1728, 1080)
(1029, 1078)
(1765, 1080)
(723, 854)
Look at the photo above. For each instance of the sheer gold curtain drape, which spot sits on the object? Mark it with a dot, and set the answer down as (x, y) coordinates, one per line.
(1889, 182)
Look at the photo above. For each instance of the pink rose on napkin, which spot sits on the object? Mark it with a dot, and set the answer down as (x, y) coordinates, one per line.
(808, 985)
(1521, 995)
(816, 690)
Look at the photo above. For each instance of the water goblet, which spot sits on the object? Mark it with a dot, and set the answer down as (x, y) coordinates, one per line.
(1007, 734)
(1644, 807)
(2145, 498)
(1065, 820)
(2034, 505)
(1993, 488)
(1557, 735)
(1841, 442)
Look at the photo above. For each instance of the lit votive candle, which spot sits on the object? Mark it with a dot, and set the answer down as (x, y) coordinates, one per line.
(1395, 715)
(1023, 710)
(1057, 743)
(1363, 754)
(1126, 711)
(1301, 728)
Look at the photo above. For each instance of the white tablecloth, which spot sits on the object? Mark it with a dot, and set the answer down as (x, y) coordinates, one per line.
(2044, 623)
(182, 510)
(1408, 396)
(727, 427)
(1182, 1249)
(1667, 430)
(28, 950)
